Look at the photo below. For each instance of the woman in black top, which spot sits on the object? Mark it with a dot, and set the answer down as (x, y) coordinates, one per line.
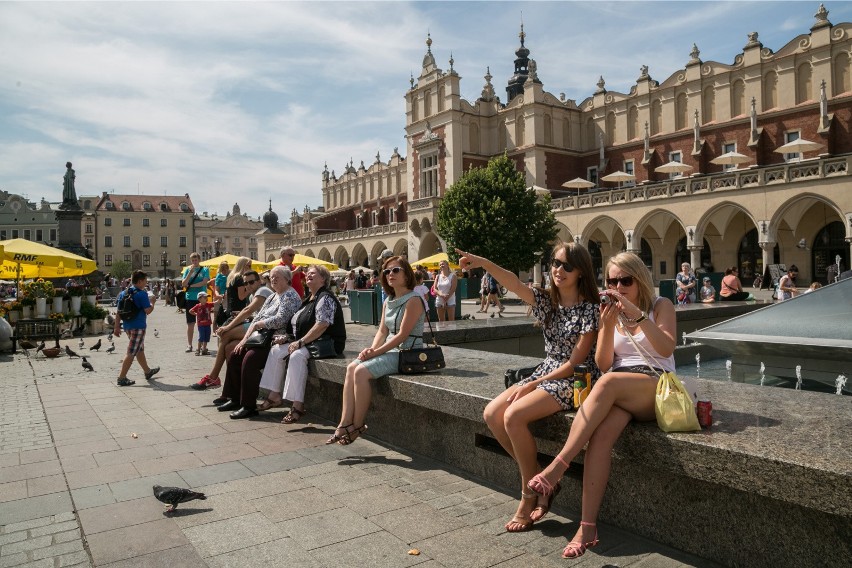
(236, 291)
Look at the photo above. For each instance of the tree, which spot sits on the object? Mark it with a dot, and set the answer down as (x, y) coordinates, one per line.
(120, 270)
(490, 212)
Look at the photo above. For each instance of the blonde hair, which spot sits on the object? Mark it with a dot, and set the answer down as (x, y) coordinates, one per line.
(242, 265)
(630, 263)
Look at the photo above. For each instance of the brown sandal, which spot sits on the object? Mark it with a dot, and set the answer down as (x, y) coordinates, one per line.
(350, 436)
(293, 416)
(269, 404)
(523, 523)
(337, 437)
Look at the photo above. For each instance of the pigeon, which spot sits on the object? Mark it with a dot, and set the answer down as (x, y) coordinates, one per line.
(171, 496)
(81, 345)
(111, 348)
(87, 365)
(80, 329)
(109, 337)
(40, 347)
(110, 320)
(96, 346)
(25, 344)
(66, 334)
(156, 333)
(491, 316)
(69, 352)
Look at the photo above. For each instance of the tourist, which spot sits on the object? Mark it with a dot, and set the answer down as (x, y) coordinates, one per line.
(686, 284)
(319, 317)
(493, 298)
(483, 292)
(444, 289)
(401, 327)
(813, 286)
(231, 332)
(218, 291)
(708, 292)
(568, 313)
(787, 285)
(625, 393)
(246, 363)
(732, 288)
(135, 328)
(288, 254)
(350, 282)
(195, 278)
(203, 312)
(361, 280)
(422, 290)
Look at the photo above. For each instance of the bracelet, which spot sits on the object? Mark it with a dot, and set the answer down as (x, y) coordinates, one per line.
(642, 317)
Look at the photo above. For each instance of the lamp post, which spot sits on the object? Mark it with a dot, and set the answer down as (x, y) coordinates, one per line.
(217, 242)
(164, 260)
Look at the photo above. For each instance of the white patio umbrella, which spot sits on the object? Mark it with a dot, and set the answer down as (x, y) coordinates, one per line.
(618, 176)
(578, 183)
(673, 168)
(796, 146)
(730, 159)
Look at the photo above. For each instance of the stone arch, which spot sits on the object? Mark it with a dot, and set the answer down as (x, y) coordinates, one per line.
(425, 225)
(804, 83)
(442, 94)
(310, 253)
(325, 255)
(271, 258)
(681, 111)
(548, 129)
(400, 248)
(563, 234)
(738, 101)
(842, 82)
(656, 116)
(726, 227)
(473, 144)
(659, 229)
(376, 253)
(633, 123)
(414, 227)
(341, 257)
(566, 133)
(519, 129)
(770, 90)
(607, 234)
(429, 245)
(590, 133)
(359, 256)
(610, 128)
(708, 104)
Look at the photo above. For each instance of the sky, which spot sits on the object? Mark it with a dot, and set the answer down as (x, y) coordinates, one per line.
(243, 102)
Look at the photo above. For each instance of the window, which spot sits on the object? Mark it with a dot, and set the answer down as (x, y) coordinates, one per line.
(252, 240)
(164, 222)
(375, 218)
(429, 176)
(53, 234)
(675, 157)
(3, 235)
(182, 242)
(184, 207)
(39, 235)
(107, 241)
(127, 221)
(108, 222)
(27, 234)
(164, 241)
(15, 234)
(147, 206)
(182, 259)
(253, 255)
(127, 240)
(146, 222)
(89, 242)
(146, 260)
(125, 205)
(89, 228)
(792, 136)
(237, 241)
(182, 223)
(164, 207)
(109, 205)
(729, 147)
(107, 260)
(204, 240)
(146, 241)
(127, 258)
(391, 215)
(629, 168)
(592, 174)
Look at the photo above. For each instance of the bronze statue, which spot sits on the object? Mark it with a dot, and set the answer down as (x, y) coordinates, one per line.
(69, 195)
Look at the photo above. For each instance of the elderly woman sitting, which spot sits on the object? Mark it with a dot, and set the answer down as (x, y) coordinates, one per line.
(320, 317)
(246, 361)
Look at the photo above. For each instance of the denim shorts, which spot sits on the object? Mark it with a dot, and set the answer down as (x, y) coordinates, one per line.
(642, 369)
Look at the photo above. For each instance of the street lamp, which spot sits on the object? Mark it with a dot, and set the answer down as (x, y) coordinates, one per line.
(164, 260)
(217, 242)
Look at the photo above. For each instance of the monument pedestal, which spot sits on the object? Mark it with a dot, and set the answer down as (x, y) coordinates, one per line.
(70, 231)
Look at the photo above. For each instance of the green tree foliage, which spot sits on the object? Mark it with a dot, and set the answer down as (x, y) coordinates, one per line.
(120, 269)
(489, 212)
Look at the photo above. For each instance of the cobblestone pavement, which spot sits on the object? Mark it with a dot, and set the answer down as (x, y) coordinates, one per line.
(79, 455)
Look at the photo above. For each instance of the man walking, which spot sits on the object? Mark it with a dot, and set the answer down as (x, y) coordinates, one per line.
(132, 316)
(195, 279)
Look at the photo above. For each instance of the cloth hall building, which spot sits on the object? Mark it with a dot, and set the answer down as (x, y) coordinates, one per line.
(792, 208)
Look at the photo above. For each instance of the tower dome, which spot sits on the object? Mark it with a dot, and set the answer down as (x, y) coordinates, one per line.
(270, 219)
(522, 61)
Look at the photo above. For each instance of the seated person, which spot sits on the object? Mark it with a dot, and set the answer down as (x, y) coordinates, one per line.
(708, 292)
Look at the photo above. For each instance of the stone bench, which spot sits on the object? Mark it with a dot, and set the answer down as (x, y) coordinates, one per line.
(771, 478)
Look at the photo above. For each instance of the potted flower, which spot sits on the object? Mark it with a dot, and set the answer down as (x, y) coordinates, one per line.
(13, 310)
(76, 294)
(91, 295)
(58, 297)
(41, 290)
(27, 303)
(94, 317)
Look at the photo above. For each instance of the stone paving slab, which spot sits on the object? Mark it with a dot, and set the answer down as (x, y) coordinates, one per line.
(75, 485)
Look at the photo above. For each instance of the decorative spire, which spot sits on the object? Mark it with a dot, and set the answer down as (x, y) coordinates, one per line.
(411, 80)
(378, 156)
(601, 84)
(693, 55)
(428, 42)
(451, 63)
(516, 82)
(270, 204)
(821, 17)
(428, 59)
(488, 89)
(643, 73)
(752, 41)
(523, 36)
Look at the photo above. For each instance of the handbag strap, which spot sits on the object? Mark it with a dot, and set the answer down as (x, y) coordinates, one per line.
(644, 353)
(426, 315)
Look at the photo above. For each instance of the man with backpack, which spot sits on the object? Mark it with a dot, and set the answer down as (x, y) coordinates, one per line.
(134, 305)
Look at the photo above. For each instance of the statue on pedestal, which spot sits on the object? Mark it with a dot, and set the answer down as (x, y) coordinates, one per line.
(69, 195)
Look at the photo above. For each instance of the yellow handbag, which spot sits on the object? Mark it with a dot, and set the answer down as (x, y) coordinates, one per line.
(673, 406)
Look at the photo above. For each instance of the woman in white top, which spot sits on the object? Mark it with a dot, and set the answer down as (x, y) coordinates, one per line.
(445, 293)
(621, 395)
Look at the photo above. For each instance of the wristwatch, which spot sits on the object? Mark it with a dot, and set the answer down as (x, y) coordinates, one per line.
(642, 317)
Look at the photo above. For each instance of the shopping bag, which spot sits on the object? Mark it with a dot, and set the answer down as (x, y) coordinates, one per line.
(673, 406)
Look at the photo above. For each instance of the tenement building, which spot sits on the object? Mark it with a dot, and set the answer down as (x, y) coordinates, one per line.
(235, 233)
(153, 233)
(687, 168)
(22, 219)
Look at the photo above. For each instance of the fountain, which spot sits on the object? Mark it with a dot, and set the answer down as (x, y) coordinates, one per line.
(839, 383)
(728, 370)
(762, 373)
(798, 377)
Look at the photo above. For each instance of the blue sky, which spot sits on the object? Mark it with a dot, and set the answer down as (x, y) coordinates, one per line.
(245, 101)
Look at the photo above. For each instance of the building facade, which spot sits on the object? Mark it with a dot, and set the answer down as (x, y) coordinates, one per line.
(236, 234)
(22, 219)
(154, 233)
(792, 208)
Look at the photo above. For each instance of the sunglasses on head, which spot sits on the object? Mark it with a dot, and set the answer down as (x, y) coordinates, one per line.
(394, 270)
(566, 266)
(625, 281)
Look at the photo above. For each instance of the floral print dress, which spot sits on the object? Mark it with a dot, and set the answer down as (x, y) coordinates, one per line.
(561, 335)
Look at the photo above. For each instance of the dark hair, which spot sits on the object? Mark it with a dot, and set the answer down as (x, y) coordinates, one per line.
(577, 255)
(731, 270)
(248, 272)
(410, 281)
(137, 276)
(793, 268)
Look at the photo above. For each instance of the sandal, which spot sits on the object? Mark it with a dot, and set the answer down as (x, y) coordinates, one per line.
(267, 404)
(337, 437)
(350, 436)
(293, 416)
(545, 509)
(541, 485)
(523, 524)
(578, 549)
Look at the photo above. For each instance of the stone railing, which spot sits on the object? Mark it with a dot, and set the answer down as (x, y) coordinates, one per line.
(379, 230)
(425, 203)
(700, 183)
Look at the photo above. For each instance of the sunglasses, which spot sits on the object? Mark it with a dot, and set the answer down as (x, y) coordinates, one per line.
(250, 281)
(567, 267)
(394, 270)
(625, 281)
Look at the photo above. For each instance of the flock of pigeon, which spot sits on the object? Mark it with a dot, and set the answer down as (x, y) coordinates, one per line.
(26, 345)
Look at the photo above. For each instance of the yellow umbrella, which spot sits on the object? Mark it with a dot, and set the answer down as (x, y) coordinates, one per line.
(432, 262)
(302, 260)
(231, 259)
(28, 259)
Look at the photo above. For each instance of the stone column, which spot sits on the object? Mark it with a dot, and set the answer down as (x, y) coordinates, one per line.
(767, 247)
(694, 257)
(537, 273)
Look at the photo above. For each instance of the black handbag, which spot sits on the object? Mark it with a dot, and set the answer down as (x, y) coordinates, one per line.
(322, 348)
(513, 376)
(260, 338)
(221, 315)
(180, 299)
(424, 359)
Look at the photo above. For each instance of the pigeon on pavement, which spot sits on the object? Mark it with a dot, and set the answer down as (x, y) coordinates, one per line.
(156, 333)
(40, 347)
(81, 344)
(25, 344)
(109, 337)
(111, 348)
(171, 496)
(69, 352)
(96, 346)
(87, 366)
